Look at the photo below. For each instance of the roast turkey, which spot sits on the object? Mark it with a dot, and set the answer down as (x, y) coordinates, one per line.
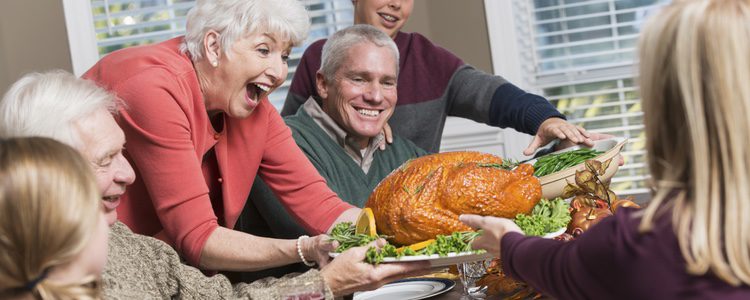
(425, 196)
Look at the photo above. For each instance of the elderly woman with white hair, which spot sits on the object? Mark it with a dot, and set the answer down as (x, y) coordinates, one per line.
(199, 128)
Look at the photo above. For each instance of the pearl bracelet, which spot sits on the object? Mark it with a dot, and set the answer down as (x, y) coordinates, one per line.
(299, 251)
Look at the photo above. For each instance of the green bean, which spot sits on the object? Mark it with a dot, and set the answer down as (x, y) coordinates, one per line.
(552, 163)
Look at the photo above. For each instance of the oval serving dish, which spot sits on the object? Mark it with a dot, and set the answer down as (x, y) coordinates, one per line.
(553, 184)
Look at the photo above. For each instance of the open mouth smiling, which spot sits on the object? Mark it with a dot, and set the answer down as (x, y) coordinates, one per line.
(369, 112)
(388, 17)
(256, 91)
(111, 198)
(111, 202)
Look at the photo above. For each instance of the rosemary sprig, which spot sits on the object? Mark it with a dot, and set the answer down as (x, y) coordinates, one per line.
(344, 233)
(508, 164)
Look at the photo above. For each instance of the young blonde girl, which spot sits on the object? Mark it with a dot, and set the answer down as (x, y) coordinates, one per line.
(53, 238)
(695, 70)
(693, 240)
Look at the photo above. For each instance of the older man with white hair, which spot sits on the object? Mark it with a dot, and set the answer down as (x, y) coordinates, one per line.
(78, 112)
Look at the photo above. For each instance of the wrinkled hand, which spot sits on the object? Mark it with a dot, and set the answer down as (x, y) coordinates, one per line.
(493, 231)
(388, 136)
(317, 248)
(556, 128)
(349, 272)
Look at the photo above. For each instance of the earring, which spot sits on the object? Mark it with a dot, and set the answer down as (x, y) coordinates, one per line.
(214, 63)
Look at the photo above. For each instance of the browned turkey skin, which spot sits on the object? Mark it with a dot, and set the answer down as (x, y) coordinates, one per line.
(425, 196)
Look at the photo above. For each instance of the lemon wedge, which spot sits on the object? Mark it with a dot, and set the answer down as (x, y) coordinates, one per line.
(416, 246)
(366, 223)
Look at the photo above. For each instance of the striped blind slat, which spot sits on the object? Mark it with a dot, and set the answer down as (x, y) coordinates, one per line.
(581, 56)
(125, 23)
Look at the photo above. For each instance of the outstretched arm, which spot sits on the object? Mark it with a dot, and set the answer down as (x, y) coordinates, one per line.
(563, 270)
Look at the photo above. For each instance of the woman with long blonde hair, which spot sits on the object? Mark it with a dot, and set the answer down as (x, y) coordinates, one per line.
(693, 240)
(53, 237)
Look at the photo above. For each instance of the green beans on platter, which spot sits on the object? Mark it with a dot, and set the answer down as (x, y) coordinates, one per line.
(552, 163)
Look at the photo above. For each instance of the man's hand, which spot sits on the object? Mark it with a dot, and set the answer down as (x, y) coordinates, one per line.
(556, 128)
(594, 136)
(388, 136)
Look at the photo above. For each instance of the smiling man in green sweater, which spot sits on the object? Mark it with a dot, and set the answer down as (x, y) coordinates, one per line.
(357, 82)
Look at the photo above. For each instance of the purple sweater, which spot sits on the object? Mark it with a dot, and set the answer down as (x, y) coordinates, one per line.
(612, 261)
(433, 84)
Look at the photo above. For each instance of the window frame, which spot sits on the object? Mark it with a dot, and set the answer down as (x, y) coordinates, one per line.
(84, 47)
(509, 53)
(506, 63)
(81, 35)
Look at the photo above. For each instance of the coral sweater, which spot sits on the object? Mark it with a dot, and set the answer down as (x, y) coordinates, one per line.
(181, 194)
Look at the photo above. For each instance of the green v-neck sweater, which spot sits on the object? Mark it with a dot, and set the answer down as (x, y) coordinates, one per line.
(342, 174)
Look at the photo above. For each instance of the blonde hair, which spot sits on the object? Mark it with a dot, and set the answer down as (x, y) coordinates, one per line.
(49, 209)
(694, 74)
(233, 19)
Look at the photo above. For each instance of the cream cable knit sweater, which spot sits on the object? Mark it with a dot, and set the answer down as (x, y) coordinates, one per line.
(142, 267)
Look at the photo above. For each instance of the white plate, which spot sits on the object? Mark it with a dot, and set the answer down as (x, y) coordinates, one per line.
(436, 260)
(555, 234)
(554, 184)
(409, 289)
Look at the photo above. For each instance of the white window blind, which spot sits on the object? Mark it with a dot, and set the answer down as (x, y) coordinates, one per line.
(581, 55)
(326, 17)
(124, 23)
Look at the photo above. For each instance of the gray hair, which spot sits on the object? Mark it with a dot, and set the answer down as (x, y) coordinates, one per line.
(336, 49)
(50, 105)
(233, 19)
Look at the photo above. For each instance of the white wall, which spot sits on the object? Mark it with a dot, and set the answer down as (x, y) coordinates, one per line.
(32, 38)
(461, 27)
